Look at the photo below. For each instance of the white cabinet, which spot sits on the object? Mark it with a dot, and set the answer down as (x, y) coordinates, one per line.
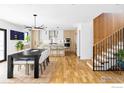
(46, 36)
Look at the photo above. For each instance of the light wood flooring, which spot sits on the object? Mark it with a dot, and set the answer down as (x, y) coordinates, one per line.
(70, 69)
(67, 69)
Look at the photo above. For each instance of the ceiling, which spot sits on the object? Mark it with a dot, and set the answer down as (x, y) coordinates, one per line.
(63, 15)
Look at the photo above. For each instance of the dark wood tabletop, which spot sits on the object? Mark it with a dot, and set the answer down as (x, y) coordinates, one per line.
(32, 53)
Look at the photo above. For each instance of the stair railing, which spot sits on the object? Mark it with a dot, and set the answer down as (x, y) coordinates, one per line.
(103, 52)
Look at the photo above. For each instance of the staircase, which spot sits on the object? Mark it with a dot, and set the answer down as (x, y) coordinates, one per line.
(103, 51)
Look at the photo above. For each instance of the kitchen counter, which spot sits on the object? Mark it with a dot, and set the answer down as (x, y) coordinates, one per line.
(56, 49)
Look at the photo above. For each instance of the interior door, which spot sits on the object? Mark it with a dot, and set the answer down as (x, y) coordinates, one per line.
(2, 45)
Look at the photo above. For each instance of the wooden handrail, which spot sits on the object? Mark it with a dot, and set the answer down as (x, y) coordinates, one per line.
(107, 37)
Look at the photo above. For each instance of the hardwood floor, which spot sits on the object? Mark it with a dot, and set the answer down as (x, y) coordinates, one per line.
(67, 69)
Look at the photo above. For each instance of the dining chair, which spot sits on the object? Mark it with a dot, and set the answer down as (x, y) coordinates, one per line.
(23, 62)
(42, 60)
(29, 62)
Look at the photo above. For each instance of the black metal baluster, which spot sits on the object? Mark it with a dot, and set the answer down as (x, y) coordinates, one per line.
(101, 55)
(98, 49)
(104, 47)
(110, 51)
(106, 52)
(113, 51)
(123, 38)
(120, 40)
(96, 57)
(116, 48)
(118, 45)
(93, 56)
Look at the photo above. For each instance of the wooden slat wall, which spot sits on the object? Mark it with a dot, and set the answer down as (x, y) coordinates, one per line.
(107, 23)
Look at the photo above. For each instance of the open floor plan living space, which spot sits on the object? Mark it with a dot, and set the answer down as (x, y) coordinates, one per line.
(64, 43)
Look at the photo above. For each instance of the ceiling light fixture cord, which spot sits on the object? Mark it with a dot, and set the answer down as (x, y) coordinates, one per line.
(35, 20)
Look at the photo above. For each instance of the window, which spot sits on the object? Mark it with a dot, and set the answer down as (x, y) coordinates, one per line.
(26, 37)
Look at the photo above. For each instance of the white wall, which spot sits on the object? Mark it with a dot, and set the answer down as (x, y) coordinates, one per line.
(9, 26)
(78, 39)
(85, 48)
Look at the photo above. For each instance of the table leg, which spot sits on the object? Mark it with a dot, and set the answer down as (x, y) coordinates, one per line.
(48, 59)
(10, 67)
(36, 67)
(44, 65)
(46, 62)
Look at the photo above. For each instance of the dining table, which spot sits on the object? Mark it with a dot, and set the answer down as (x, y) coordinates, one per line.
(31, 53)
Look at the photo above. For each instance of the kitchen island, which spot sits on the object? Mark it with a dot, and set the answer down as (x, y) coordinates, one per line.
(56, 49)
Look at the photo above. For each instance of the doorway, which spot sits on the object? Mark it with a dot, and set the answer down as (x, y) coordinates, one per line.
(3, 40)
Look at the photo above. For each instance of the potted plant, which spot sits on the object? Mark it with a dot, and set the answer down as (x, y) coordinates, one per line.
(19, 45)
(120, 58)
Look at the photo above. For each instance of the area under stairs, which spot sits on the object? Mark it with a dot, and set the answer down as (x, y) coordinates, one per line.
(104, 52)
